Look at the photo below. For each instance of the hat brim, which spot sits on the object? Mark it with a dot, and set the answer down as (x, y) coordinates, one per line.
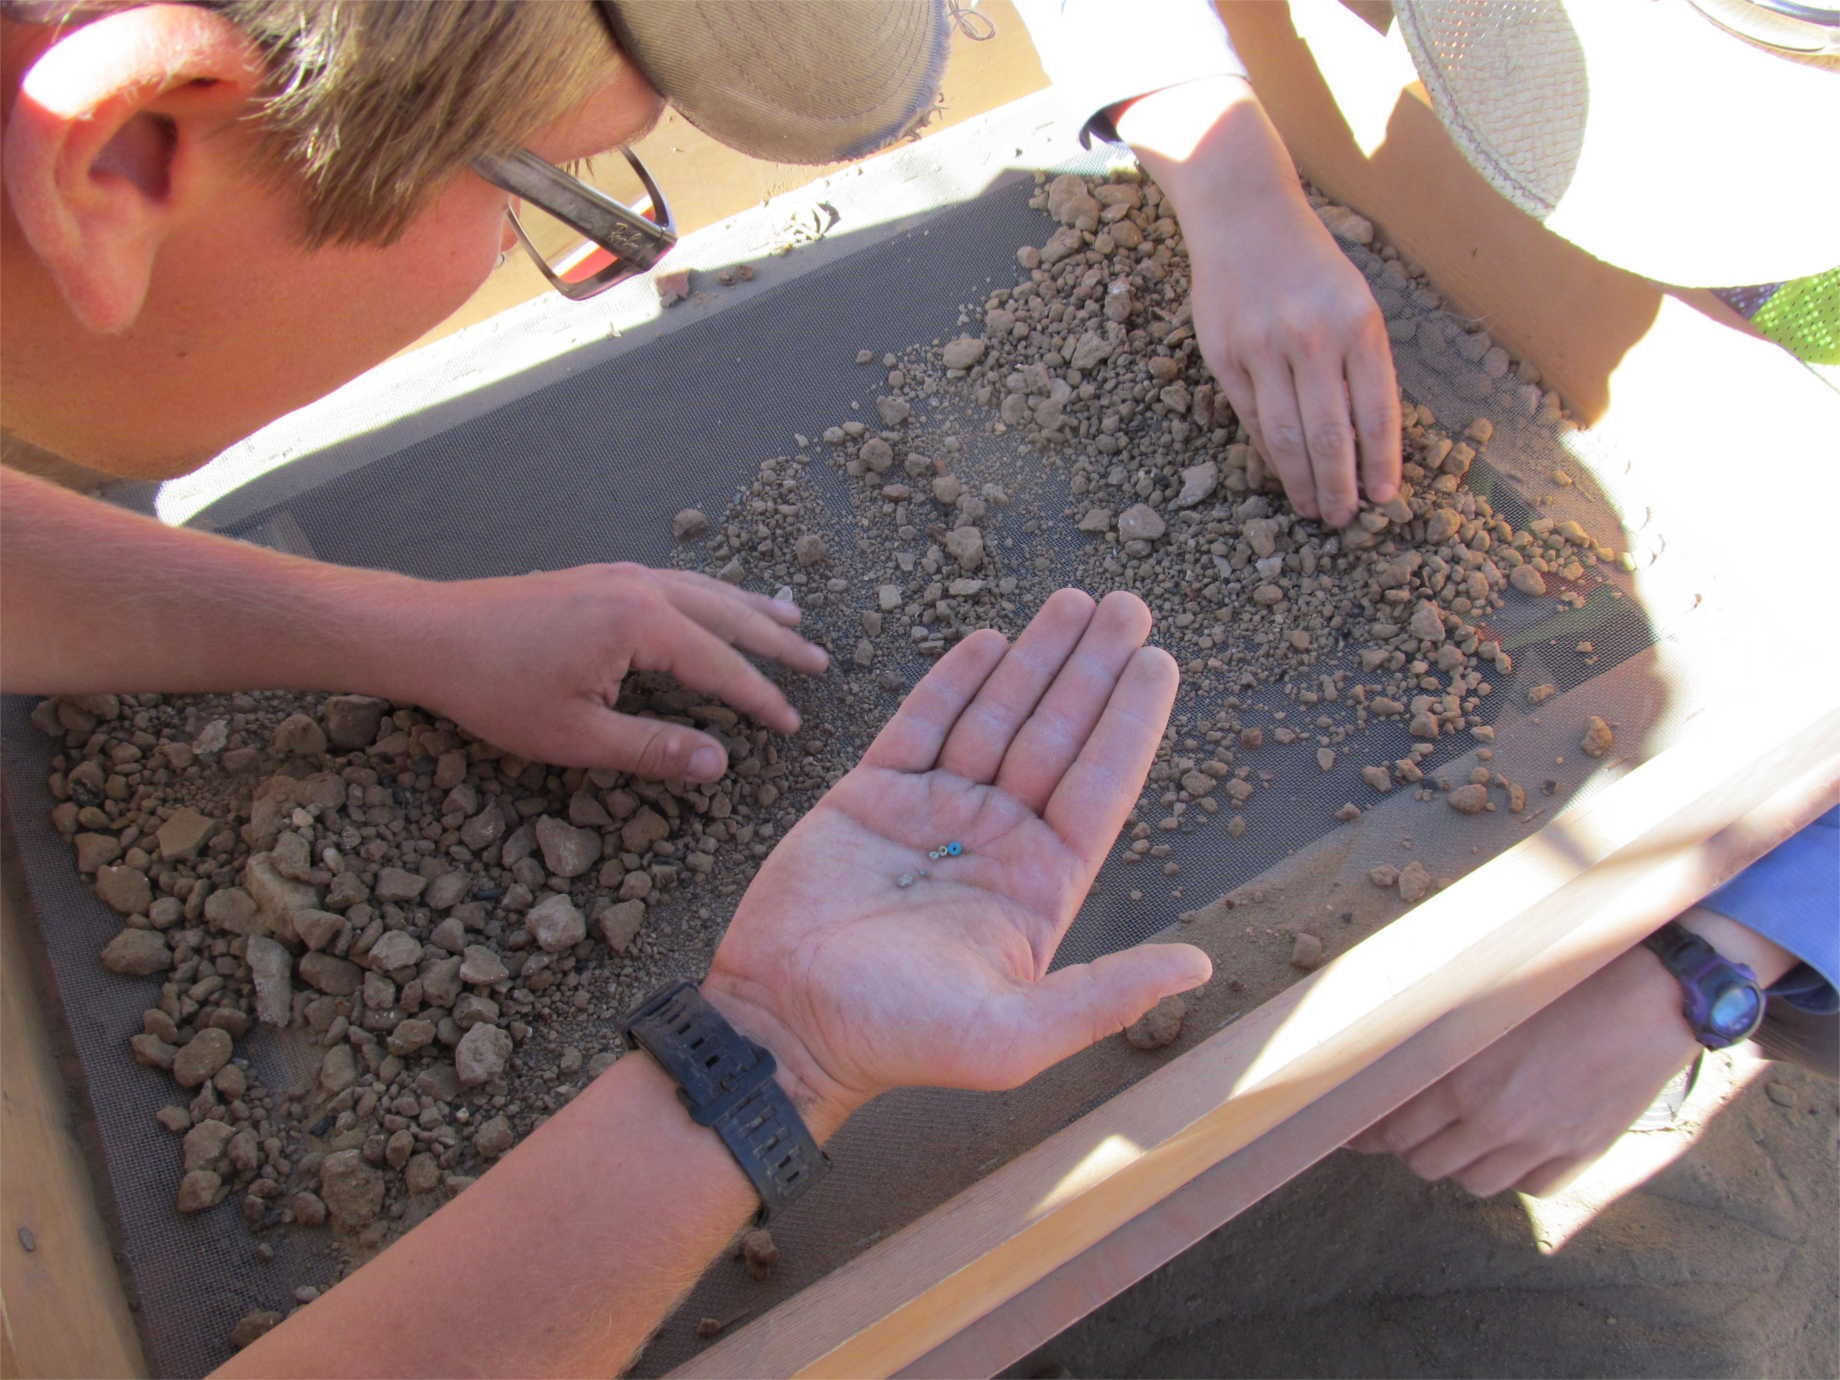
(794, 81)
(1644, 133)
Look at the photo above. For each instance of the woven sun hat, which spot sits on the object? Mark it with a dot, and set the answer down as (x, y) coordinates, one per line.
(1695, 142)
(795, 81)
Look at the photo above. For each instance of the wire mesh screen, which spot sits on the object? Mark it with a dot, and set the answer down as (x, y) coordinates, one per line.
(595, 467)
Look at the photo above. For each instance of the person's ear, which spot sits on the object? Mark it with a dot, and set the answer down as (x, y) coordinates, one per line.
(109, 147)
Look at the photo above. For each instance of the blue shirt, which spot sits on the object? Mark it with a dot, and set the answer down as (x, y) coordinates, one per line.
(1792, 895)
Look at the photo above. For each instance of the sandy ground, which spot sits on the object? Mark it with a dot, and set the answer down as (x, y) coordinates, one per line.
(1706, 1249)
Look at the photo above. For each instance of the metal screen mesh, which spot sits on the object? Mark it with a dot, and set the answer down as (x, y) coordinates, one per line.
(593, 468)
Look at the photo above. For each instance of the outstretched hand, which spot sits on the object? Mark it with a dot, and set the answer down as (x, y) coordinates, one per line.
(533, 663)
(867, 965)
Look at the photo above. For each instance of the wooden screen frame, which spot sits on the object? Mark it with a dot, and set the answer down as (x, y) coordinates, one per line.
(1040, 1242)
(1228, 1122)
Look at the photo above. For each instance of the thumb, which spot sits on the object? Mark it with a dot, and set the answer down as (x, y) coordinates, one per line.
(643, 746)
(1081, 1005)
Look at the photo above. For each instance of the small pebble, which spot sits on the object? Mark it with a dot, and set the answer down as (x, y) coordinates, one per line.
(1158, 1026)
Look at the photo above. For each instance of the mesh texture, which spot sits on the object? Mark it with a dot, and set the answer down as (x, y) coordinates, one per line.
(592, 468)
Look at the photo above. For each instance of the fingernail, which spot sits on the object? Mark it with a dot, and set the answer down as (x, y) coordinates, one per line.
(705, 763)
(1383, 493)
(785, 606)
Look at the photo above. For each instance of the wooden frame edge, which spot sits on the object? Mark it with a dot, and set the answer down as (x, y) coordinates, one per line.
(1556, 906)
(63, 1306)
(1160, 1233)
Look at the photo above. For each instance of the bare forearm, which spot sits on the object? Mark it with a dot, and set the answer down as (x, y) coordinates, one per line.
(1209, 144)
(561, 1261)
(95, 599)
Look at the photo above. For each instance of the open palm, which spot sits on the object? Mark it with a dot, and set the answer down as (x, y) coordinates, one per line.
(890, 967)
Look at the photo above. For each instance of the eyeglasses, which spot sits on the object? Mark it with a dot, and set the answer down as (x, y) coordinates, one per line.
(583, 240)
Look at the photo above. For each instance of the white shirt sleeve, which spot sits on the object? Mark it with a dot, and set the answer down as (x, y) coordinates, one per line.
(1100, 52)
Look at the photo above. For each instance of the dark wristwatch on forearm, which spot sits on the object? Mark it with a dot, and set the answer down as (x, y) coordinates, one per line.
(726, 1083)
(1722, 1000)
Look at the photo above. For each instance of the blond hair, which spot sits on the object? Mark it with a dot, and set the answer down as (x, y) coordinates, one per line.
(370, 105)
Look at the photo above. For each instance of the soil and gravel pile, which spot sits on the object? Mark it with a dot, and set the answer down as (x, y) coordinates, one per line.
(445, 935)
(1073, 434)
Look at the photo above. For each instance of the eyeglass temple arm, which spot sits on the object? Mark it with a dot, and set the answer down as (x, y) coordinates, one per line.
(633, 237)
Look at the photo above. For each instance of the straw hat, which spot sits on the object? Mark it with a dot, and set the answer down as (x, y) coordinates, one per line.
(1648, 132)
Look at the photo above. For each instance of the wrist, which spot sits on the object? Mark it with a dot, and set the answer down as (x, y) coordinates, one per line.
(1170, 121)
(399, 628)
(820, 1100)
(1738, 943)
(1648, 987)
(1209, 144)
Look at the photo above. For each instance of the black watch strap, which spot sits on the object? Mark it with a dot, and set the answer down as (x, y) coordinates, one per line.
(726, 1082)
(1721, 1001)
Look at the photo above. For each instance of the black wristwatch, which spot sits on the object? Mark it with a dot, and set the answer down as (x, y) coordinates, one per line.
(726, 1082)
(1723, 1001)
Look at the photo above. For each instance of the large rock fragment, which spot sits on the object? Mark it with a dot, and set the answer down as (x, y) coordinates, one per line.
(137, 953)
(556, 924)
(483, 829)
(350, 1188)
(482, 1054)
(124, 890)
(1414, 882)
(318, 929)
(395, 950)
(352, 721)
(1198, 483)
(1061, 243)
(398, 884)
(1071, 203)
(205, 1143)
(201, 1056)
(198, 1190)
(567, 851)
(481, 965)
(271, 968)
(494, 1137)
(963, 352)
(1427, 622)
(1141, 522)
(1598, 737)
(338, 1069)
(277, 898)
(966, 546)
(336, 977)
(96, 851)
(643, 830)
(422, 1174)
(299, 736)
(1091, 350)
(618, 923)
(1158, 1026)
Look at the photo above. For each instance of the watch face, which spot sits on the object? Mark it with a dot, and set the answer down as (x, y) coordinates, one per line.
(1735, 1011)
